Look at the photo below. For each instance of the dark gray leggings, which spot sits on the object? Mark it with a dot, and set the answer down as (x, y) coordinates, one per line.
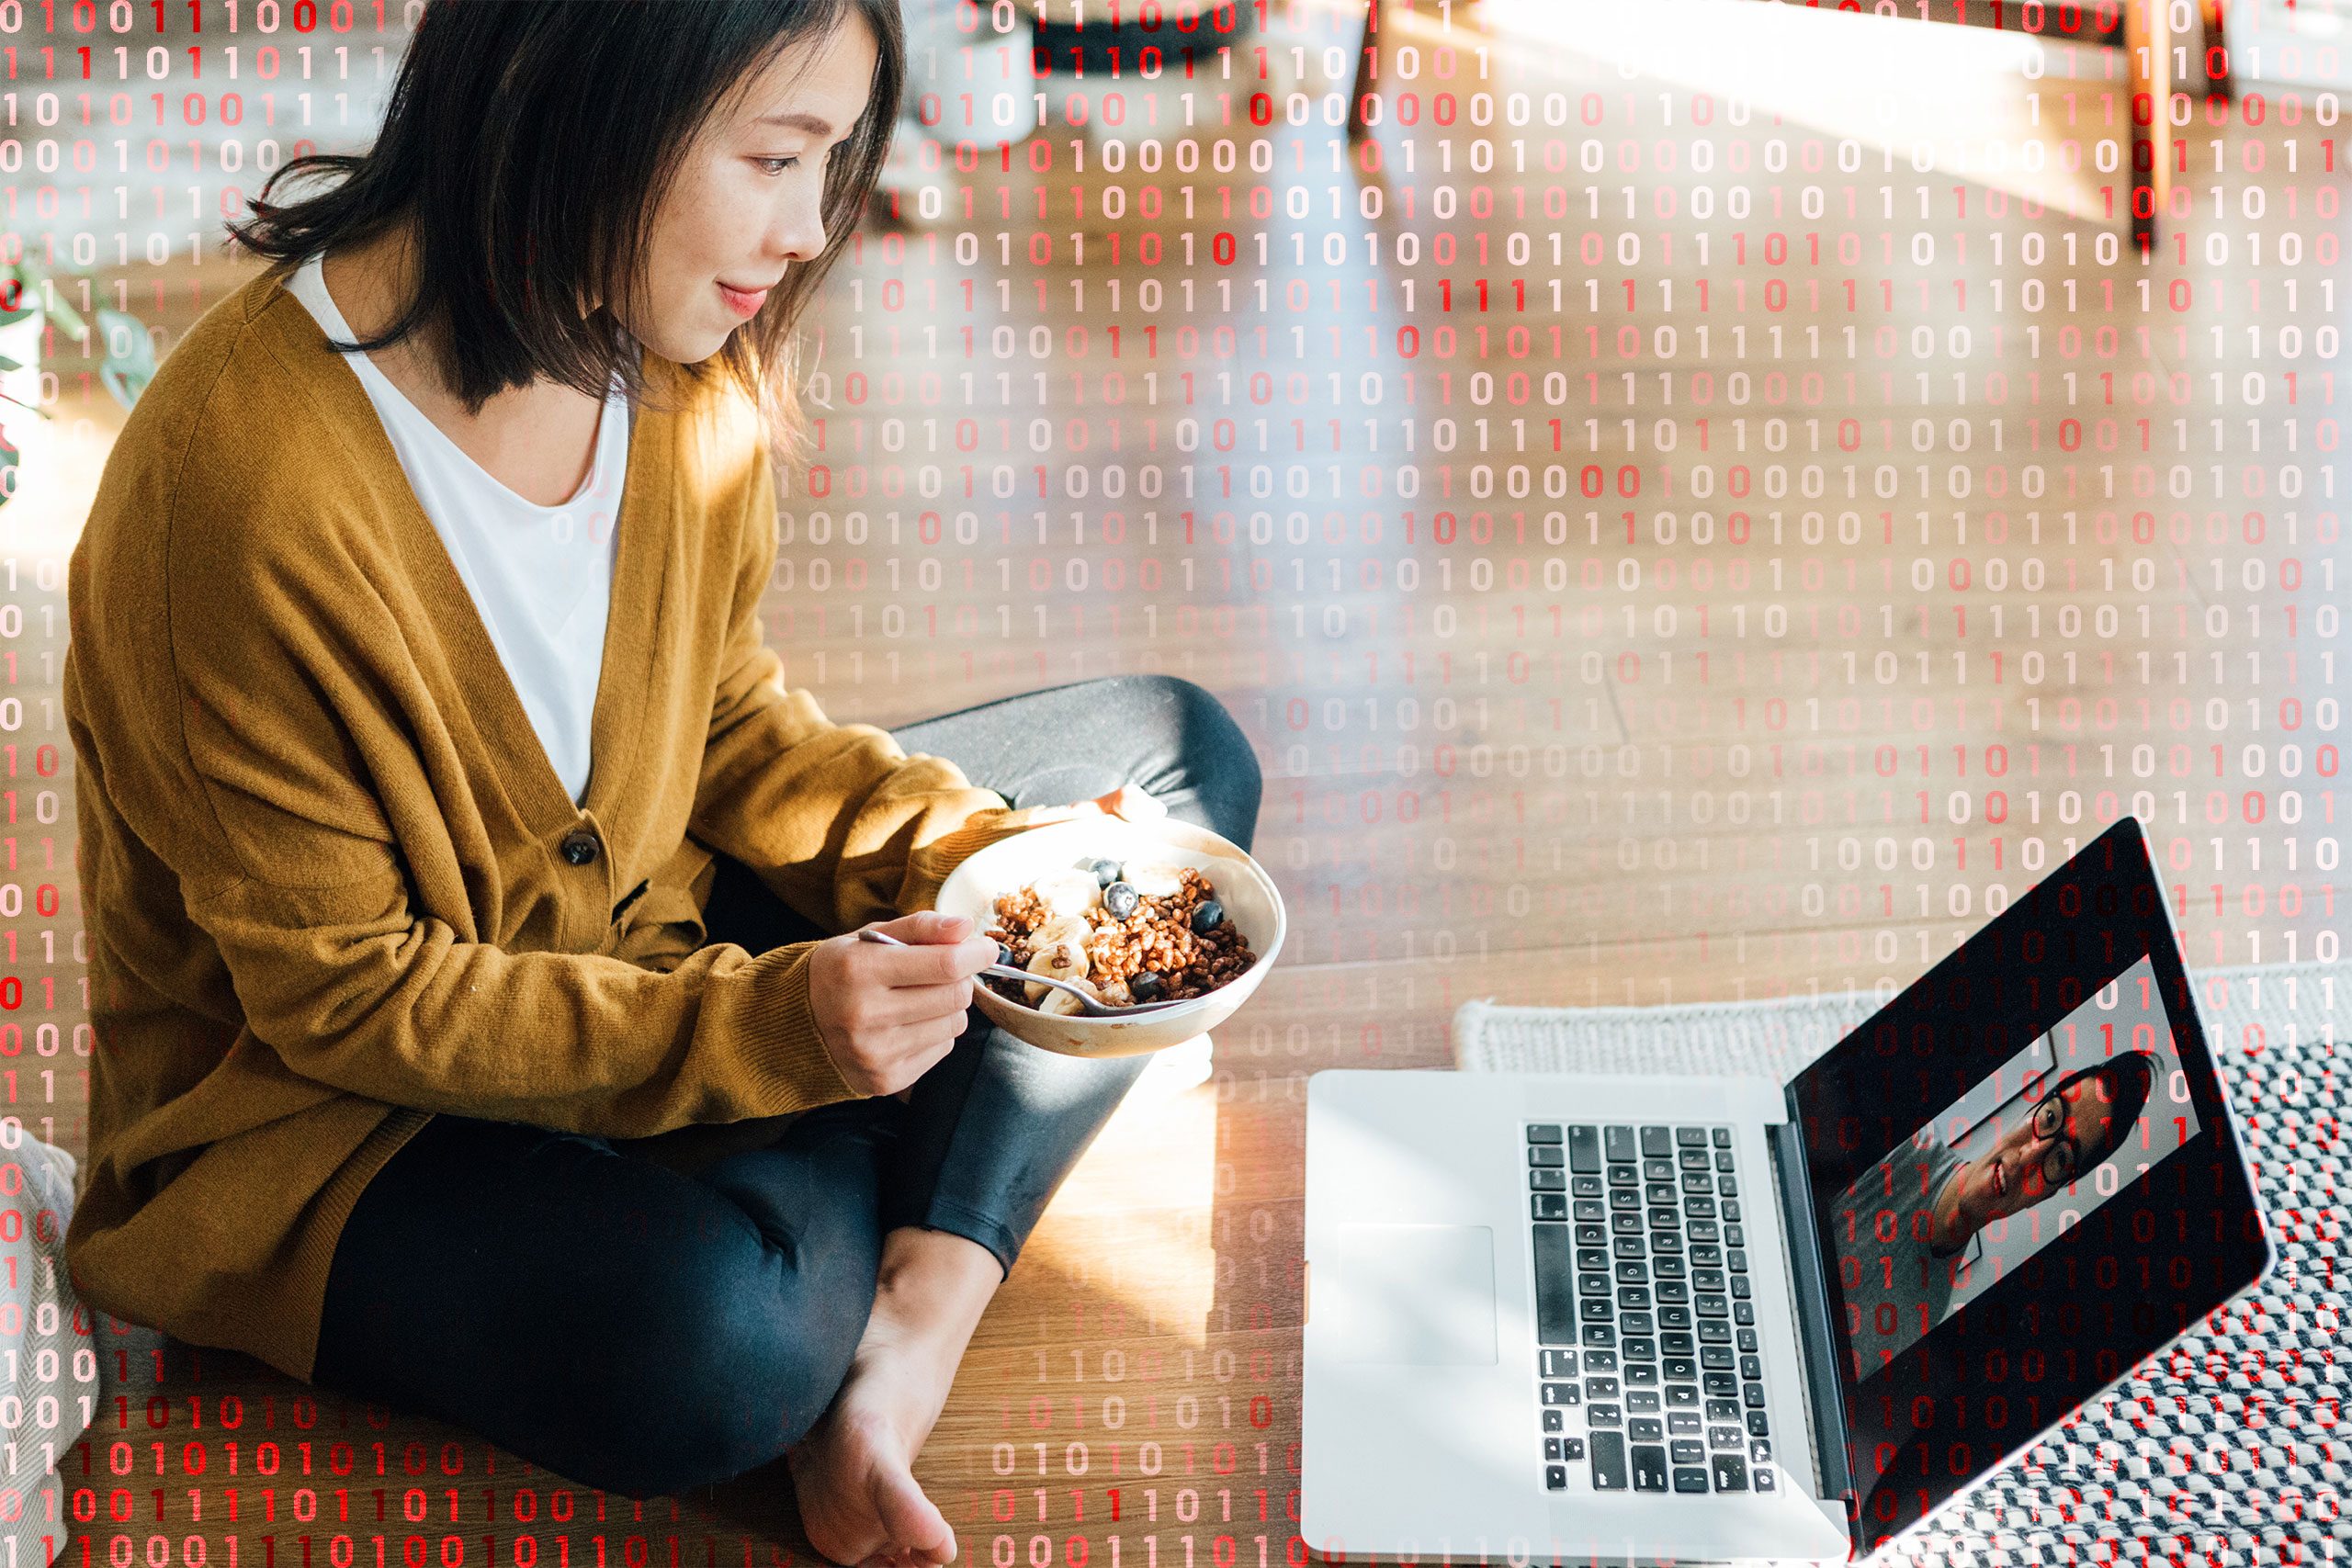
(643, 1330)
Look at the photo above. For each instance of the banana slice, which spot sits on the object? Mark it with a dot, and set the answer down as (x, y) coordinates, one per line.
(1115, 993)
(1154, 879)
(1061, 1004)
(1067, 892)
(1062, 931)
(1063, 961)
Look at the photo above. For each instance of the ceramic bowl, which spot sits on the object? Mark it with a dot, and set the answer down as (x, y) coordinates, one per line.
(1010, 865)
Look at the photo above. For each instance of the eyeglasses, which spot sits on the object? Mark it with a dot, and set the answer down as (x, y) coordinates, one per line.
(2058, 1164)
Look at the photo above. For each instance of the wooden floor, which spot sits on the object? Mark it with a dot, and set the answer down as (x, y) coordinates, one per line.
(1650, 614)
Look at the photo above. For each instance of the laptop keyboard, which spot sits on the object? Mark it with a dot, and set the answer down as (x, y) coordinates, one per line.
(1651, 1377)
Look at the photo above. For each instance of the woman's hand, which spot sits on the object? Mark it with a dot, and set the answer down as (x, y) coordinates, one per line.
(887, 1014)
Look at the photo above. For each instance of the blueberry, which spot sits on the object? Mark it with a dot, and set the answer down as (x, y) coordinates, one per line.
(1105, 872)
(1004, 955)
(1120, 900)
(1206, 917)
(1144, 986)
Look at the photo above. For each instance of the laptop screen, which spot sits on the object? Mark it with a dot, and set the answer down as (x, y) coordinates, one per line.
(2024, 1181)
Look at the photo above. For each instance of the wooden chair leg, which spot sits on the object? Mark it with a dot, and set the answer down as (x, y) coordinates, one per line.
(2147, 47)
(2217, 37)
(1357, 129)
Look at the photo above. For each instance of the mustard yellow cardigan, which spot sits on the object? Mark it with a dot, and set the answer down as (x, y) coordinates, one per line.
(330, 881)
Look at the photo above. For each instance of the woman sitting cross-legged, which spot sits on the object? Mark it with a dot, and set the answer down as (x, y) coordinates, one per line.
(481, 1026)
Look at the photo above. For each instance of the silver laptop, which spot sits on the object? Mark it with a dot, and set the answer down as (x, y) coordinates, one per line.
(1579, 1319)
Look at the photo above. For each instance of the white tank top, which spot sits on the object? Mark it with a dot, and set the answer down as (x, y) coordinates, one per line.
(541, 577)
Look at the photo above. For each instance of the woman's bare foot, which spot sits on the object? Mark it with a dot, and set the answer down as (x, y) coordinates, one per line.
(853, 1473)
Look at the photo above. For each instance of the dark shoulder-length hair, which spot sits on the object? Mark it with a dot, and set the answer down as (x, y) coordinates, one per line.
(2123, 1086)
(531, 141)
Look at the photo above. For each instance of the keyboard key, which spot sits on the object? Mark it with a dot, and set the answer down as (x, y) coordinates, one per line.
(1757, 1424)
(1738, 1260)
(1690, 1138)
(1600, 1387)
(1572, 1449)
(1728, 1186)
(1601, 1361)
(1554, 1288)
(1624, 1176)
(1637, 1322)
(1633, 1298)
(1617, 1143)
(1561, 1395)
(1656, 1141)
(1682, 1450)
(1704, 1230)
(1644, 1430)
(1740, 1288)
(1657, 1170)
(1683, 1423)
(1687, 1479)
(1707, 1280)
(1596, 1310)
(1723, 1409)
(1545, 1180)
(1682, 1396)
(1555, 1478)
(1722, 1138)
(1763, 1478)
(1640, 1401)
(1649, 1468)
(1603, 1416)
(1699, 1208)
(1752, 1395)
(1543, 1154)
(1748, 1340)
(1584, 1149)
(1589, 1211)
(1731, 1473)
(1543, 1132)
(1694, 1159)
(1743, 1313)
(1720, 1385)
(1594, 1237)
(1711, 1307)
(1555, 1421)
(1723, 1161)
(1734, 1236)
(1624, 1198)
(1716, 1357)
(1715, 1334)
(1585, 1186)
(1726, 1438)
(1609, 1461)
(1550, 1205)
(1759, 1451)
(1731, 1211)
(1751, 1367)
(1559, 1363)
(1640, 1374)
(1599, 1336)
(1639, 1351)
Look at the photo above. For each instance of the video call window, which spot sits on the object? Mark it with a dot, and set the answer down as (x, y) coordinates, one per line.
(2078, 1115)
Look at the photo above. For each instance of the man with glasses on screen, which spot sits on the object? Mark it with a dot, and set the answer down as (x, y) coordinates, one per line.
(1903, 1228)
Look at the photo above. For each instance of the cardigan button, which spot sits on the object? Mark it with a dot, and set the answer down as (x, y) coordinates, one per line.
(578, 847)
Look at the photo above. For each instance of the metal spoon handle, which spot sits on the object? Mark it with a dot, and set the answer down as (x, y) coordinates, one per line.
(1094, 1006)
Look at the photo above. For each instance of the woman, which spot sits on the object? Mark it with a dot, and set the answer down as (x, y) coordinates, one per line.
(480, 1025)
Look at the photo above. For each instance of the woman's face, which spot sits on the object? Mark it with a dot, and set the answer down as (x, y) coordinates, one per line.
(749, 199)
(2038, 1153)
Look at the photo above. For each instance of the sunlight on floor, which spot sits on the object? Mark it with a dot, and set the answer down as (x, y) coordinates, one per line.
(1899, 86)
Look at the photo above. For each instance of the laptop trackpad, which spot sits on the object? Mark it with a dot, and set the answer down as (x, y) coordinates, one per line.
(1423, 1295)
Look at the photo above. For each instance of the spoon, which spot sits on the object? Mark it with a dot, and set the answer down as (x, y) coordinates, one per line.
(1094, 1009)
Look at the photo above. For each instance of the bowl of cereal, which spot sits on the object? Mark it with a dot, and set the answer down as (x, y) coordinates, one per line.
(1160, 911)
